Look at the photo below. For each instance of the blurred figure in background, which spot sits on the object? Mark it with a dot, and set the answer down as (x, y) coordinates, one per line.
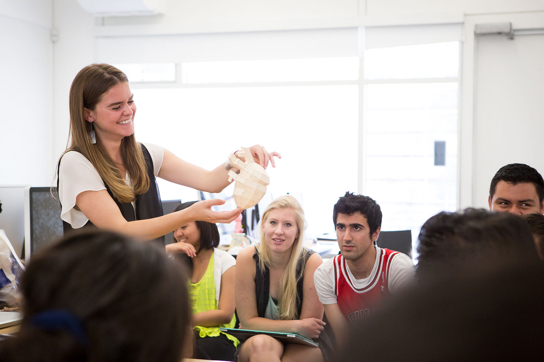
(101, 296)
(491, 313)
(479, 296)
(450, 241)
(536, 223)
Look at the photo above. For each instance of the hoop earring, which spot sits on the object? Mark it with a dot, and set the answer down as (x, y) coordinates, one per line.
(92, 134)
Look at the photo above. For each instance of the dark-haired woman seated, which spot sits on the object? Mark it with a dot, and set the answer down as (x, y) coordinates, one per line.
(211, 287)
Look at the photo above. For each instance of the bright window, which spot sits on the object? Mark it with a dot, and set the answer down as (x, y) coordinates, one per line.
(149, 73)
(439, 60)
(279, 70)
(313, 127)
(308, 110)
(415, 107)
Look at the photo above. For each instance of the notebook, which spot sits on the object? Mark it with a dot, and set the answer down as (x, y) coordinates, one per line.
(243, 334)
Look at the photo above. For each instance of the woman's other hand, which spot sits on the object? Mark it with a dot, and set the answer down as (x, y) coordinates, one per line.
(263, 157)
(310, 327)
(181, 248)
(202, 211)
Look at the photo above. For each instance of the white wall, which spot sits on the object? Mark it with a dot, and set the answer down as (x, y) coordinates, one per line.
(74, 50)
(508, 108)
(34, 89)
(197, 16)
(26, 97)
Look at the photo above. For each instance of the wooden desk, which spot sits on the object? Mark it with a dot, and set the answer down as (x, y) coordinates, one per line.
(10, 330)
(10, 322)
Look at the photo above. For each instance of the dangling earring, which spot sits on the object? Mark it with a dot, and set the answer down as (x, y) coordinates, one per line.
(92, 134)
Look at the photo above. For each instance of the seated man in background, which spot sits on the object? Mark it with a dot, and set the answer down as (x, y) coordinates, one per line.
(353, 284)
(536, 223)
(517, 188)
(454, 241)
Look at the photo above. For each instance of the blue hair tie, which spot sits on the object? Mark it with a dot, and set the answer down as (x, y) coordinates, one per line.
(60, 319)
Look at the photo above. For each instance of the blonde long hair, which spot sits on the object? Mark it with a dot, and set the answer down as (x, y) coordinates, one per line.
(88, 87)
(287, 298)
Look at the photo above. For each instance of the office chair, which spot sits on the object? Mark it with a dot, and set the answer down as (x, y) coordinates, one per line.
(396, 240)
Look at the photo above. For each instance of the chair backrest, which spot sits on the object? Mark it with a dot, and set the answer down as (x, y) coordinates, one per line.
(400, 240)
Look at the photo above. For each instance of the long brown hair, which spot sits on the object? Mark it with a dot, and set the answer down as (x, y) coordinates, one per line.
(87, 89)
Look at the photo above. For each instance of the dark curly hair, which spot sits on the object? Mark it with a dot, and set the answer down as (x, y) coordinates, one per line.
(351, 203)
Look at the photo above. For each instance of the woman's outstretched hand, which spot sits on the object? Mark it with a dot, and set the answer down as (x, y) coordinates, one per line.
(202, 211)
(263, 157)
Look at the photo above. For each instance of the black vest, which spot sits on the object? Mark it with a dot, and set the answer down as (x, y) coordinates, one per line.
(148, 205)
(262, 293)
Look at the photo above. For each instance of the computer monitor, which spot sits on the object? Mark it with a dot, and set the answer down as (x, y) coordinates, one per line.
(12, 215)
(168, 207)
(42, 219)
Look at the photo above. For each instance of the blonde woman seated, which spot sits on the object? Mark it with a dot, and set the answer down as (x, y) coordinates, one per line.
(275, 289)
(211, 287)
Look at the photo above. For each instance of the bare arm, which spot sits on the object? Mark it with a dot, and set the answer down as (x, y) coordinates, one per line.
(225, 310)
(246, 303)
(174, 169)
(311, 315)
(338, 322)
(102, 211)
(311, 306)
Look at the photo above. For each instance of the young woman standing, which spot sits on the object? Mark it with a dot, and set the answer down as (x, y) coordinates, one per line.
(107, 179)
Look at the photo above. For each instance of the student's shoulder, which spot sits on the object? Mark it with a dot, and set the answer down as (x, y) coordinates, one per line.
(326, 268)
(246, 254)
(402, 260)
(314, 261)
(223, 255)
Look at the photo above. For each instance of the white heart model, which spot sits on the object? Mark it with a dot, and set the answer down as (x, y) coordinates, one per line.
(251, 182)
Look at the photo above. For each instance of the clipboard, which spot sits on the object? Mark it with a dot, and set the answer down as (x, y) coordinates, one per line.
(243, 334)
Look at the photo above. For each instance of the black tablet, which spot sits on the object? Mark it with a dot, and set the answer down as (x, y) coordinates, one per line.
(243, 334)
